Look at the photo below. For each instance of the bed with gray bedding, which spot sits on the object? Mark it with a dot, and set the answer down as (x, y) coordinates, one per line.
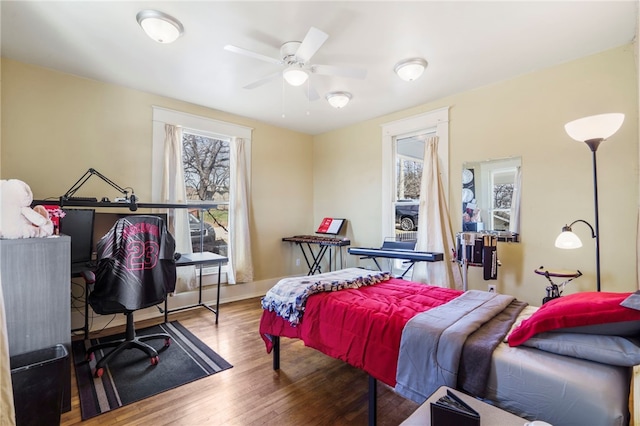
(569, 374)
(558, 389)
(568, 362)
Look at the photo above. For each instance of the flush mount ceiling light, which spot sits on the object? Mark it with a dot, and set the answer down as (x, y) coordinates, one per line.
(294, 75)
(338, 99)
(410, 69)
(159, 26)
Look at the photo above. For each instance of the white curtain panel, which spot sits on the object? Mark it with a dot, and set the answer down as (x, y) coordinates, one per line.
(514, 220)
(434, 226)
(174, 191)
(7, 413)
(240, 268)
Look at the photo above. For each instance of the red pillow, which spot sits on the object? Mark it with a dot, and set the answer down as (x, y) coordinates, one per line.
(575, 310)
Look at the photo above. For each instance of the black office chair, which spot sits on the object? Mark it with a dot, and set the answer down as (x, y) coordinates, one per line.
(136, 269)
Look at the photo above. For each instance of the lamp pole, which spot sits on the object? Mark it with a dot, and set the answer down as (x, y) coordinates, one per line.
(593, 145)
(593, 130)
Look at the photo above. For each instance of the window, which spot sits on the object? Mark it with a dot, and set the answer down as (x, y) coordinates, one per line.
(402, 157)
(409, 161)
(206, 173)
(206, 153)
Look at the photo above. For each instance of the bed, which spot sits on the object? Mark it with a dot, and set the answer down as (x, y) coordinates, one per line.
(573, 371)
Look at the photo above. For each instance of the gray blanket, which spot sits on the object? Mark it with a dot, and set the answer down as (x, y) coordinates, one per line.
(475, 361)
(432, 342)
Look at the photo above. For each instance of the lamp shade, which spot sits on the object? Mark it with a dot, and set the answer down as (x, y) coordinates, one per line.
(295, 76)
(410, 69)
(159, 26)
(568, 240)
(599, 126)
(338, 99)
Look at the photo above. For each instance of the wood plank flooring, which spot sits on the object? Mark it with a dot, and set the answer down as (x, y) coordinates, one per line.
(310, 388)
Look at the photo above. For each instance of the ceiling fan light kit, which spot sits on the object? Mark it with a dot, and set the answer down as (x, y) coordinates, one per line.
(159, 26)
(338, 99)
(295, 76)
(410, 69)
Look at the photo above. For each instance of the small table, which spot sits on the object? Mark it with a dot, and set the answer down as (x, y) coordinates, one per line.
(199, 259)
(489, 415)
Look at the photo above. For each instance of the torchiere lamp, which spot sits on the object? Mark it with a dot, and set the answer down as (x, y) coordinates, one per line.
(591, 130)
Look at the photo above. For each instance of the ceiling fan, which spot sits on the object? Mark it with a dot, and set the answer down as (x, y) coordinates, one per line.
(295, 56)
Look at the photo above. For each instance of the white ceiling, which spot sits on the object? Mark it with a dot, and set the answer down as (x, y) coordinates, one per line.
(467, 45)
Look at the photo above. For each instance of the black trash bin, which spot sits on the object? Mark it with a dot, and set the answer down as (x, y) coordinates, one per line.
(37, 379)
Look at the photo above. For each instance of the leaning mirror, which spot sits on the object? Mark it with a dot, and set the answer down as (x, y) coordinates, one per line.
(491, 197)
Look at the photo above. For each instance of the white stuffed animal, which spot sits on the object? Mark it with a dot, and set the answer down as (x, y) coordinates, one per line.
(17, 218)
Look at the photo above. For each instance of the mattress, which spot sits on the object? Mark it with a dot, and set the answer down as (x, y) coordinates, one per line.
(560, 390)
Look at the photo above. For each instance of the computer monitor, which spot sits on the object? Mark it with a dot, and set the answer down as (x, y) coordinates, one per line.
(78, 224)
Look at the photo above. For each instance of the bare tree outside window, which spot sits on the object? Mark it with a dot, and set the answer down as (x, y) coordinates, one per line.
(207, 174)
(409, 178)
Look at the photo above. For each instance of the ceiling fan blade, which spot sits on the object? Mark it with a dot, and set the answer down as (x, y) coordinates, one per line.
(314, 39)
(263, 80)
(245, 52)
(339, 71)
(311, 92)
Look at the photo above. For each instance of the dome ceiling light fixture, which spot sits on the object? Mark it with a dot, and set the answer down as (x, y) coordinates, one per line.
(338, 99)
(295, 75)
(159, 26)
(410, 69)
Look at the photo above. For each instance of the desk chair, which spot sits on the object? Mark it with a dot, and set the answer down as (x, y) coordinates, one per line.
(136, 269)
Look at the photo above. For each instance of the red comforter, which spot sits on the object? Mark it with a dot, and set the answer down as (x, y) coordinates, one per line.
(361, 326)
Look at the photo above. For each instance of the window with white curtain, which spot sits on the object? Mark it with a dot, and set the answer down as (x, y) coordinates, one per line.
(207, 169)
(403, 140)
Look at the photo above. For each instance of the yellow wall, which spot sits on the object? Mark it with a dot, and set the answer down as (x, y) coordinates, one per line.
(523, 117)
(55, 126)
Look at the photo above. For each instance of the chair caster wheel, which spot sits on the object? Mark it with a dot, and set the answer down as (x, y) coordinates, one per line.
(167, 343)
(99, 372)
(89, 356)
(155, 360)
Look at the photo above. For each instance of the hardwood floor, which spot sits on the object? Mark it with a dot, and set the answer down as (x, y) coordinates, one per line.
(310, 388)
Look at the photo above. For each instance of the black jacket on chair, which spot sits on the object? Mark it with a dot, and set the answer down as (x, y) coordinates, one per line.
(136, 267)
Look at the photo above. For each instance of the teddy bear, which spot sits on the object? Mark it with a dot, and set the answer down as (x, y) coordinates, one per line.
(17, 218)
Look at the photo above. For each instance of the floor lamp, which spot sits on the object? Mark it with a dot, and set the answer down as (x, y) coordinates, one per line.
(591, 130)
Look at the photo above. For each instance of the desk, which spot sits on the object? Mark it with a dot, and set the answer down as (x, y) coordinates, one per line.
(489, 415)
(186, 259)
(199, 259)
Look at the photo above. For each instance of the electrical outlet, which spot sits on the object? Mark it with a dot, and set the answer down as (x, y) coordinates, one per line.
(492, 288)
(297, 262)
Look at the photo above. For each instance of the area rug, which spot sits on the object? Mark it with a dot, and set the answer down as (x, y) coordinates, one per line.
(130, 377)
